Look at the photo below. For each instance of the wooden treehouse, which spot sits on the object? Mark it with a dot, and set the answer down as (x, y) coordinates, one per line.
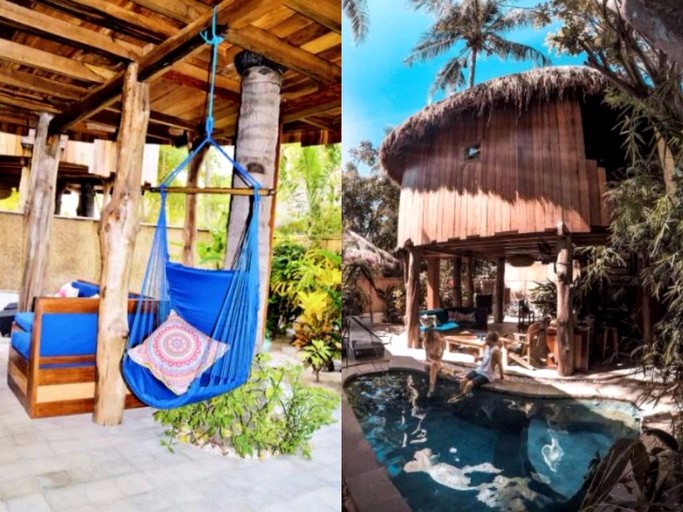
(513, 168)
(136, 72)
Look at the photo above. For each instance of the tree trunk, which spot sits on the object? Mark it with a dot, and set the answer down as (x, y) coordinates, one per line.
(565, 317)
(667, 160)
(499, 295)
(457, 281)
(473, 67)
(433, 275)
(118, 228)
(256, 150)
(469, 283)
(660, 22)
(412, 265)
(190, 228)
(38, 211)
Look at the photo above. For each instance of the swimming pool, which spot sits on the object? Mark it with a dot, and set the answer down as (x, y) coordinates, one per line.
(490, 452)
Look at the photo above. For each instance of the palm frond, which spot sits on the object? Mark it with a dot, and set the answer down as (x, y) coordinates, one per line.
(509, 49)
(430, 45)
(357, 13)
(449, 77)
(512, 19)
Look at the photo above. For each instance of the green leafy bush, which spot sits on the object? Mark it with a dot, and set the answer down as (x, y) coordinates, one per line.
(283, 306)
(273, 413)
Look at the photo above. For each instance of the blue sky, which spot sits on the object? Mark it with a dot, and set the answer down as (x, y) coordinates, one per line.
(379, 91)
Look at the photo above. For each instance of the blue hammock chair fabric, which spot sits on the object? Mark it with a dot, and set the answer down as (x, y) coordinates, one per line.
(222, 304)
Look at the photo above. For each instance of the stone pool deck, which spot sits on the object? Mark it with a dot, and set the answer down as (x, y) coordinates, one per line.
(70, 464)
(369, 485)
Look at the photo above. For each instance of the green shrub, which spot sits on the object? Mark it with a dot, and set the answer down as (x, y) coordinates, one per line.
(274, 412)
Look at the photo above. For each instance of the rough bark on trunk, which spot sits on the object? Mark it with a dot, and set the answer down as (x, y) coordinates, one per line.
(499, 292)
(457, 281)
(190, 227)
(256, 150)
(118, 228)
(660, 22)
(565, 320)
(412, 265)
(38, 211)
(433, 271)
(469, 283)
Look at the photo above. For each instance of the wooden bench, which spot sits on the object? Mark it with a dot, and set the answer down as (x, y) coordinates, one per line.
(54, 384)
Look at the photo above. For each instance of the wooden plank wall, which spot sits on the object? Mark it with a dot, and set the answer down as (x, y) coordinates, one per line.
(531, 174)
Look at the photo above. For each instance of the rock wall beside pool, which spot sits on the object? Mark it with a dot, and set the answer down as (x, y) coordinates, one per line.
(74, 251)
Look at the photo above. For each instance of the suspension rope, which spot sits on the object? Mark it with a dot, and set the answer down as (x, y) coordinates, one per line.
(213, 40)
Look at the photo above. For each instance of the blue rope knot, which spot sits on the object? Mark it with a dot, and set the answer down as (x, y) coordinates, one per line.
(215, 39)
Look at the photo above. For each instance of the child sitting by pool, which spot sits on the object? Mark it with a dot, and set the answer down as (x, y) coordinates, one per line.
(434, 345)
(486, 371)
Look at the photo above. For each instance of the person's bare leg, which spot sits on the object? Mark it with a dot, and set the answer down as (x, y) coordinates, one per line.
(433, 372)
(468, 387)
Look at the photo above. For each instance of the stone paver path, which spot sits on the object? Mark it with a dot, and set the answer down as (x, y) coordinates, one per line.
(70, 464)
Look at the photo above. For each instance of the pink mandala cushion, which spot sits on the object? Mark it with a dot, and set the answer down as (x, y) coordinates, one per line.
(174, 353)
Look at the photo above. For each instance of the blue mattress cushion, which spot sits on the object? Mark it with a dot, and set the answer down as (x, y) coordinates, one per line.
(448, 326)
(69, 334)
(21, 342)
(25, 321)
(86, 289)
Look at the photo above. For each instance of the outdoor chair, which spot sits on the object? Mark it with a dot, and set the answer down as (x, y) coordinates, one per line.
(51, 367)
(6, 318)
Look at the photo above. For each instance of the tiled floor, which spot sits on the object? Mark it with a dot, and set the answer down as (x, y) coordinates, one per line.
(70, 464)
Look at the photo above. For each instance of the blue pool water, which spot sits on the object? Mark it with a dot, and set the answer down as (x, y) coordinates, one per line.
(489, 452)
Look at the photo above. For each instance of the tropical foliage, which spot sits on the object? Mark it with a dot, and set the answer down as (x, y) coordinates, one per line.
(310, 190)
(473, 28)
(370, 201)
(273, 413)
(357, 13)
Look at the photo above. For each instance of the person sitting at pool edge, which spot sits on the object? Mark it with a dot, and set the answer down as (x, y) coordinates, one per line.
(486, 371)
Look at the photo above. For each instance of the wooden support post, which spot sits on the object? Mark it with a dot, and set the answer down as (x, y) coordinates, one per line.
(457, 281)
(190, 228)
(469, 283)
(565, 317)
(499, 292)
(412, 282)
(433, 276)
(256, 150)
(118, 228)
(40, 205)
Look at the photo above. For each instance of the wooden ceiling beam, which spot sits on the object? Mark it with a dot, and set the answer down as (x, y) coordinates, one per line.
(41, 85)
(115, 17)
(180, 10)
(159, 118)
(156, 62)
(278, 50)
(311, 111)
(34, 106)
(32, 21)
(324, 12)
(202, 75)
(33, 57)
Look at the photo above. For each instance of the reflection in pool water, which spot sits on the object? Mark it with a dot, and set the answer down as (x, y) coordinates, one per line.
(489, 452)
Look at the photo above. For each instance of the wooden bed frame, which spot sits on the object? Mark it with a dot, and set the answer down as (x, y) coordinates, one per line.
(56, 391)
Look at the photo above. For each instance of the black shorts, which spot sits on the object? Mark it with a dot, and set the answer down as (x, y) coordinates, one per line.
(477, 379)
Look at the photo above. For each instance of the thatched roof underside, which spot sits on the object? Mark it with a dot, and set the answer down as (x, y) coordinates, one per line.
(358, 249)
(517, 90)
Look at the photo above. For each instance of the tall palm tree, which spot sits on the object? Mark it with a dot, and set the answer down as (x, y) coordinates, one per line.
(357, 12)
(476, 23)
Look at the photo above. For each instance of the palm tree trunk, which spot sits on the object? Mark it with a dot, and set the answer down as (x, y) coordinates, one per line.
(473, 67)
(256, 150)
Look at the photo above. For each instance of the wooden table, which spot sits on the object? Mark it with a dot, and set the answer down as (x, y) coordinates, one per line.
(473, 342)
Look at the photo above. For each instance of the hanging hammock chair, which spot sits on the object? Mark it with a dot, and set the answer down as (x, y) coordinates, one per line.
(222, 304)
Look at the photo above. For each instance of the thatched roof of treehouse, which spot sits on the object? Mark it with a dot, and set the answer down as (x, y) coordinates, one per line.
(356, 249)
(517, 90)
